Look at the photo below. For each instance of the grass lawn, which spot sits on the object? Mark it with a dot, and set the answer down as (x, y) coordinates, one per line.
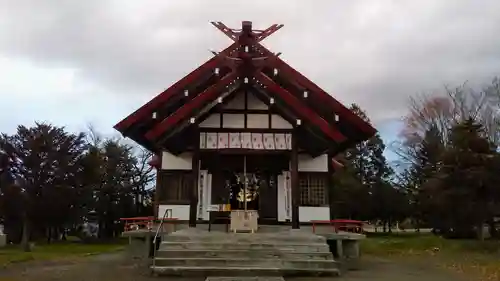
(473, 258)
(60, 250)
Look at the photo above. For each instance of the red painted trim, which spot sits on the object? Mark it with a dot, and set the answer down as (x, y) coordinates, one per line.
(183, 112)
(147, 109)
(226, 30)
(301, 110)
(269, 31)
(316, 92)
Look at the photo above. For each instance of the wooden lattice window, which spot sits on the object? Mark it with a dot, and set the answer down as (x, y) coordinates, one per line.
(174, 187)
(313, 189)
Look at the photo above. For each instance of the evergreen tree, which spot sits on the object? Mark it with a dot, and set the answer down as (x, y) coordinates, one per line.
(364, 187)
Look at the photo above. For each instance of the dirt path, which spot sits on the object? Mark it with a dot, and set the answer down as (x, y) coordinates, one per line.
(374, 269)
(111, 267)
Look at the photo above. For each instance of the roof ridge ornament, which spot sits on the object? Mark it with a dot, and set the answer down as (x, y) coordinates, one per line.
(246, 28)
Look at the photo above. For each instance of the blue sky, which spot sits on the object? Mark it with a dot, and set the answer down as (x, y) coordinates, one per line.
(79, 62)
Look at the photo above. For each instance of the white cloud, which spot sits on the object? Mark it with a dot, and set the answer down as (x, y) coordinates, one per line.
(99, 60)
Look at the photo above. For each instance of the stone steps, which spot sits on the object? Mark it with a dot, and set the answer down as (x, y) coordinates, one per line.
(273, 238)
(194, 252)
(241, 271)
(313, 247)
(245, 262)
(238, 254)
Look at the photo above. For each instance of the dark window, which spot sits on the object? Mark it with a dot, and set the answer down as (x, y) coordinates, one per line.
(174, 187)
(313, 190)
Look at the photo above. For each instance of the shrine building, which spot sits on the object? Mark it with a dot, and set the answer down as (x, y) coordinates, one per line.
(245, 130)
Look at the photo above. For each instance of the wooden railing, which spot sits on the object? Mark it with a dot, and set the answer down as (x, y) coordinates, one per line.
(137, 223)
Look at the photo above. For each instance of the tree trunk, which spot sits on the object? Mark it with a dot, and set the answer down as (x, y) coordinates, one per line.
(25, 241)
(49, 234)
(100, 230)
(55, 234)
(389, 224)
(492, 228)
(480, 231)
(137, 208)
(63, 234)
(384, 226)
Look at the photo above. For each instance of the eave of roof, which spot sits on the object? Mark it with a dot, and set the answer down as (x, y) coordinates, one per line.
(319, 94)
(147, 109)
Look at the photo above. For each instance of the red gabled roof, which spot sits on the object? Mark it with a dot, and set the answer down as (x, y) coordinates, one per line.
(146, 110)
(318, 97)
(319, 94)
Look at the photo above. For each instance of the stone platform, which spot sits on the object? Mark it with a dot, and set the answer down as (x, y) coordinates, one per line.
(196, 252)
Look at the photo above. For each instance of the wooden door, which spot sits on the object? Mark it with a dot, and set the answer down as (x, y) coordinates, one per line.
(268, 197)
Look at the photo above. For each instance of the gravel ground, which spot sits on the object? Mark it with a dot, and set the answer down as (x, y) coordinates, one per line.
(111, 267)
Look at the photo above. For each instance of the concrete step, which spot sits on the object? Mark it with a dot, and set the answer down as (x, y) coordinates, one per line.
(274, 238)
(246, 263)
(245, 278)
(240, 271)
(222, 245)
(237, 254)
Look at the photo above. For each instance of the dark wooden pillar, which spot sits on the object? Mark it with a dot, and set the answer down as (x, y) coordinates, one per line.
(193, 198)
(156, 199)
(330, 186)
(294, 174)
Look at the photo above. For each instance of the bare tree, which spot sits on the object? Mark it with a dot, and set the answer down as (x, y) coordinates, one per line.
(143, 176)
(445, 110)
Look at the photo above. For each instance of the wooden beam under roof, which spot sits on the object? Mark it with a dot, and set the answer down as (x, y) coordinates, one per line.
(197, 115)
(301, 110)
(208, 95)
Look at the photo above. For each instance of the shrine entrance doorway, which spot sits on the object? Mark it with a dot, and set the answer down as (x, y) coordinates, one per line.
(249, 181)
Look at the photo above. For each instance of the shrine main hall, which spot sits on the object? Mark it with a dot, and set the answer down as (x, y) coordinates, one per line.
(245, 131)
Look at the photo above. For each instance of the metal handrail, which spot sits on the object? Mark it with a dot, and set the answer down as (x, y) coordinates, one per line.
(155, 238)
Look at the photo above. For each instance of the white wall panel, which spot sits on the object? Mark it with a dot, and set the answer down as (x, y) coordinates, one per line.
(278, 122)
(309, 164)
(307, 214)
(233, 120)
(180, 212)
(172, 162)
(212, 121)
(238, 102)
(255, 103)
(258, 121)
